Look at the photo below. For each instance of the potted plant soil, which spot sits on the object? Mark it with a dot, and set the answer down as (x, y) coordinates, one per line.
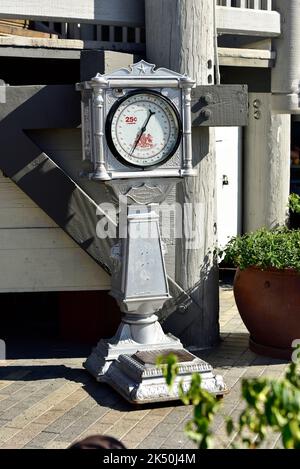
(267, 288)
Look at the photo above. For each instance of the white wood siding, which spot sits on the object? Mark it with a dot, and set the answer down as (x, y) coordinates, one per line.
(35, 254)
(123, 12)
(247, 21)
(250, 17)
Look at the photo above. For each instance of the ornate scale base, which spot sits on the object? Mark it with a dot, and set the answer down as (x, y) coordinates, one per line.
(140, 381)
(123, 343)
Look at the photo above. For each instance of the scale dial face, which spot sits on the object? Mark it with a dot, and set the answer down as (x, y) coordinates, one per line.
(143, 129)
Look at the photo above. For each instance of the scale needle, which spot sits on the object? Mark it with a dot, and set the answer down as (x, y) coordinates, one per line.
(143, 129)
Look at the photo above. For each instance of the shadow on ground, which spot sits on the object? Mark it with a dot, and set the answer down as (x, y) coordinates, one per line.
(103, 394)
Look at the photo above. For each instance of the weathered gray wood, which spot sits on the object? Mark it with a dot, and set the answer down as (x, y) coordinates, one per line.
(185, 29)
(46, 260)
(19, 217)
(285, 75)
(35, 254)
(49, 269)
(220, 106)
(39, 53)
(40, 46)
(115, 12)
(254, 58)
(266, 164)
(36, 174)
(91, 61)
(247, 21)
(131, 13)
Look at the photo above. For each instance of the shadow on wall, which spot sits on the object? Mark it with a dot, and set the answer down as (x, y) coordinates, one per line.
(196, 312)
(55, 324)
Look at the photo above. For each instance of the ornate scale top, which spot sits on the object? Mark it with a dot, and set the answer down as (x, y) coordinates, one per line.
(136, 123)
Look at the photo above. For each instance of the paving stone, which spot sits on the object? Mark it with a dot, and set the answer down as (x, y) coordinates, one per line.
(176, 414)
(163, 430)
(22, 437)
(142, 429)
(71, 416)
(40, 441)
(97, 428)
(51, 403)
(8, 377)
(58, 445)
(83, 423)
(40, 403)
(28, 400)
(111, 417)
(52, 415)
(148, 443)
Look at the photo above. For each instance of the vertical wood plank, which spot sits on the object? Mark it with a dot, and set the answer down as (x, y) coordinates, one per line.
(185, 28)
(266, 164)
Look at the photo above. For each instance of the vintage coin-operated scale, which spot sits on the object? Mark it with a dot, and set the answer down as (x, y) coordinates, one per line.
(136, 129)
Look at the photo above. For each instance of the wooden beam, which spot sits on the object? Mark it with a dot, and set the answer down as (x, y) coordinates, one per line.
(24, 32)
(220, 106)
(115, 12)
(46, 44)
(266, 164)
(233, 57)
(40, 53)
(248, 22)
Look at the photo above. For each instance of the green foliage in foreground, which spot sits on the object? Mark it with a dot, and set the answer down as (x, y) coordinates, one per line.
(278, 248)
(294, 203)
(205, 404)
(271, 405)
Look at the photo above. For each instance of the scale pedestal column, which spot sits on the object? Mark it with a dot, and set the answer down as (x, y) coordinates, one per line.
(139, 284)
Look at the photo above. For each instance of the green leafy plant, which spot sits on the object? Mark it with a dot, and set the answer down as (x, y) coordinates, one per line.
(294, 203)
(169, 365)
(205, 408)
(270, 405)
(205, 404)
(278, 248)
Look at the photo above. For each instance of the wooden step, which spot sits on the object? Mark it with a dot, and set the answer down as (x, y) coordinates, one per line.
(16, 23)
(17, 31)
(13, 27)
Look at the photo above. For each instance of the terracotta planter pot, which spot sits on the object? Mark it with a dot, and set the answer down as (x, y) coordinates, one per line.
(269, 305)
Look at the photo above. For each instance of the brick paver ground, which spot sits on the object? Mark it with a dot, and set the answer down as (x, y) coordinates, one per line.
(52, 402)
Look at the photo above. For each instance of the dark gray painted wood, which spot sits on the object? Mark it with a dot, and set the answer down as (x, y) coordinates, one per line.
(220, 105)
(39, 53)
(91, 62)
(258, 80)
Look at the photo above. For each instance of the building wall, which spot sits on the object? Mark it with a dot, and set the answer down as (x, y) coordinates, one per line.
(35, 254)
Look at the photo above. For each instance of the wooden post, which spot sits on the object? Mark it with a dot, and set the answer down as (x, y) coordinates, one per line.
(267, 137)
(180, 36)
(266, 164)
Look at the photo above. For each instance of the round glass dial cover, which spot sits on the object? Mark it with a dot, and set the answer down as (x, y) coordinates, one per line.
(143, 129)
